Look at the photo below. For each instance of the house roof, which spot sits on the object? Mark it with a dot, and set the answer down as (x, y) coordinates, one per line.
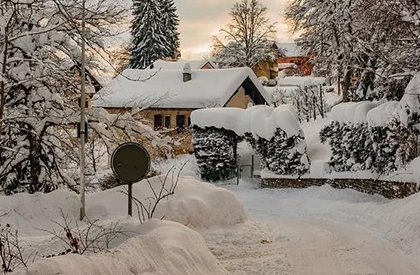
(166, 88)
(180, 64)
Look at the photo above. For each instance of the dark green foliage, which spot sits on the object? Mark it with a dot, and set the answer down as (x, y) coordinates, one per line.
(351, 146)
(379, 149)
(392, 88)
(154, 32)
(281, 154)
(214, 150)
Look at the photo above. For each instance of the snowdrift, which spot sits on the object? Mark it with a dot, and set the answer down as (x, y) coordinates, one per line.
(396, 220)
(161, 248)
(195, 204)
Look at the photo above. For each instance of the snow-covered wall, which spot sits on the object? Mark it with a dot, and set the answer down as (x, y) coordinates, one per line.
(260, 120)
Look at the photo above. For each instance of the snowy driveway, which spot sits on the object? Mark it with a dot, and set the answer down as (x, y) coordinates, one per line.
(313, 231)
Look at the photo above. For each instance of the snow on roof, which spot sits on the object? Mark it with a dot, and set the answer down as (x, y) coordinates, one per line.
(180, 64)
(290, 49)
(260, 120)
(166, 88)
(300, 81)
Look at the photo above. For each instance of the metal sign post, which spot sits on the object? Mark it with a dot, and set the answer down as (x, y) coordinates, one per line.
(130, 163)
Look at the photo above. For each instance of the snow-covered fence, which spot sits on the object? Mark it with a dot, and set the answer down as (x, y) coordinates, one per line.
(304, 93)
(274, 133)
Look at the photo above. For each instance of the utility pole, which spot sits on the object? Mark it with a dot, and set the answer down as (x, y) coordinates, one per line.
(82, 118)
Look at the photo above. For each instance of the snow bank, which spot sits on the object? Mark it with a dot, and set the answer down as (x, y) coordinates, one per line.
(194, 203)
(258, 120)
(161, 248)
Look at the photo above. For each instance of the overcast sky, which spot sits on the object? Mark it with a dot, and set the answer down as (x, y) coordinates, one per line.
(200, 20)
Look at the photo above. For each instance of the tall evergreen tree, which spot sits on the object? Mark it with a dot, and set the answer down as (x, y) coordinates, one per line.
(154, 32)
(171, 22)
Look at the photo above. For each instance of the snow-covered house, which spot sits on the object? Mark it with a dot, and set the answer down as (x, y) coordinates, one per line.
(294, 59)
(166, 98)
(269, 68)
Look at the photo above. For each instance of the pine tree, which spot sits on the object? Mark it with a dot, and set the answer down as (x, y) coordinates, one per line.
(171, 22)
(154, 32)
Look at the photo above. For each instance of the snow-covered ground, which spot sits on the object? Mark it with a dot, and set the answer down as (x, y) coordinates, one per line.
(320, 230)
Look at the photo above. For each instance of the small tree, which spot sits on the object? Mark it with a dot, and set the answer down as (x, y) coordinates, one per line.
(246, 38)
(214, 150)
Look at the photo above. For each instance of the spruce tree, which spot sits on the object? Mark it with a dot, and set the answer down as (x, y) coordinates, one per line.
(171, 22)
(154, 32)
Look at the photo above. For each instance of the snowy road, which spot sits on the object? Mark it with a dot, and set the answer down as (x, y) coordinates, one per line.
(288, 233)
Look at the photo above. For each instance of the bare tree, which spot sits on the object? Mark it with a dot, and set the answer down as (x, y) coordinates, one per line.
(245, 41)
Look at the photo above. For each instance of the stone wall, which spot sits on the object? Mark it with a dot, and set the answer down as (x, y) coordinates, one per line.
(388, 189)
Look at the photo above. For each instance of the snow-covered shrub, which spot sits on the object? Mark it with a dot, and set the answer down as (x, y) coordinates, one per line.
(394, 146)
(283, 155)
(351, 146)
(382, 149)
(391, 87)
(214, 150)
(307, 99)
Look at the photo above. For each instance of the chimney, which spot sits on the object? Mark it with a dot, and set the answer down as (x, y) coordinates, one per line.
(187, 72)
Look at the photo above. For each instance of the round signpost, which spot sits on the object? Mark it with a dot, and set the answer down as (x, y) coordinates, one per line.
(130, 163)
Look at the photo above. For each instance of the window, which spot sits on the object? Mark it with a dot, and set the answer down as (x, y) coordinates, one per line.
(167, 122)
(189, 121)
(180, 122)
(158, 122)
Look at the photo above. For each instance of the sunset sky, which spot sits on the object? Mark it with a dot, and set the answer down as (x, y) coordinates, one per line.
(200, 20)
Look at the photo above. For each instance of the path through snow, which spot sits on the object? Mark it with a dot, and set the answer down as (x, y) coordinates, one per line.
(307, 232)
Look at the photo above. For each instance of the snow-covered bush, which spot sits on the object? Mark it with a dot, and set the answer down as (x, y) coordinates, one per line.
(351, 146)
(370, 135)
(394, 146)
(214, 150)
(283, 155)
(274, 133)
